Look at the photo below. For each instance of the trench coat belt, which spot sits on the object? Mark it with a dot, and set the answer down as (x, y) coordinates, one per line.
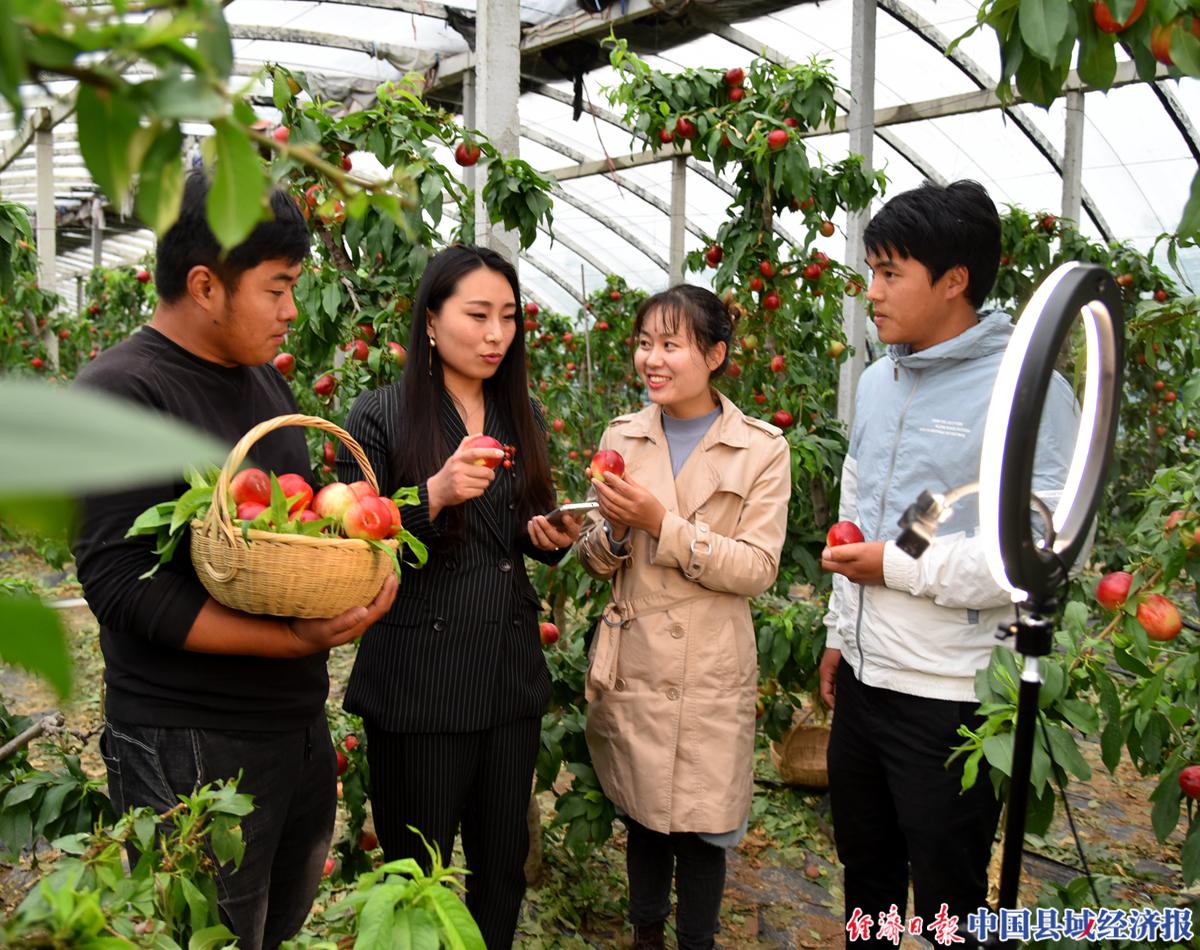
(617, 615)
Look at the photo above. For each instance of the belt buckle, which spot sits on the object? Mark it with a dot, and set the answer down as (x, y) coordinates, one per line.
(616, 609)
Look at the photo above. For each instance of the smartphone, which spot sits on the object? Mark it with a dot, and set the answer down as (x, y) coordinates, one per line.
(576, 509)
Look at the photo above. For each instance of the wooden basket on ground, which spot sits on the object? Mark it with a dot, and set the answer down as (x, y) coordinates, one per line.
(800, 756)
(285, 575)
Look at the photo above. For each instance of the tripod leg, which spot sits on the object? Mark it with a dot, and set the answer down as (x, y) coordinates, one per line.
(1018, 794)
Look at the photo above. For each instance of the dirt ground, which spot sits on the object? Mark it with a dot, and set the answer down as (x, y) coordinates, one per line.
(784, 884)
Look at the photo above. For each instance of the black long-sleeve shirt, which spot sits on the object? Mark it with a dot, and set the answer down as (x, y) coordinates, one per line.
(150, 678)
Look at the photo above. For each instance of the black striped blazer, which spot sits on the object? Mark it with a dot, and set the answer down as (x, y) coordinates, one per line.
(459, 651)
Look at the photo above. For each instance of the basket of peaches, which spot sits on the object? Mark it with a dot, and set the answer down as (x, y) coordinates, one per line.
(263, 543)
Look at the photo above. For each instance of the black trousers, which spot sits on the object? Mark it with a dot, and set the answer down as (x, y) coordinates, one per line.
(479, 781)
(292, 776)
(652, 859)
(897, 806)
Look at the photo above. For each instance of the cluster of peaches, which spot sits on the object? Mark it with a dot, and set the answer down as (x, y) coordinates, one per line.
(337, 510)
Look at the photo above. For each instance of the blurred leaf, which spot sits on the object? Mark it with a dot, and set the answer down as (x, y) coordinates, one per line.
(235, 202)
(213, 42)
(66, 442)
(160, 182)
(1189, 224)
(30, 637)
(108, 124)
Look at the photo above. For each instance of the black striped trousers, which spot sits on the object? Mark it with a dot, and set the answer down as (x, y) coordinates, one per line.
(480, 781)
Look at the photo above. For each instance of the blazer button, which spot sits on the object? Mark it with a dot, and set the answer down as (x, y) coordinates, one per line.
(676, 630)
(512, 506)
(439, 625)
(505, 565)
(619, 684)
(672, 693)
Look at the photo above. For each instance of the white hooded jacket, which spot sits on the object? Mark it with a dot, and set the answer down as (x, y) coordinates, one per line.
(918, 425)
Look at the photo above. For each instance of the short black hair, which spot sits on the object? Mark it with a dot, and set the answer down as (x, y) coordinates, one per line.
(190, 242)
(942, 226)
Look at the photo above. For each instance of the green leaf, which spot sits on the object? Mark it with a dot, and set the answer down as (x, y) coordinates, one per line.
(227, 843)
(1039, 82)
(198, 909)
(999, 750)
(1185, 50)
(1165, 813)
(459, 930)
(281, 90)
(235, 201)
(1043, 25)
(144, 826)
(213, 42)
(1097, 57)
(107, 124)
(12, 60)
(1083, 716)
(1189, 858)
(1189, 224)
(190, 505)
(30, 637)
(1067, 754)
(414, 929)
(375, 918)
(211, 938)
(160, 181)
(61, 442)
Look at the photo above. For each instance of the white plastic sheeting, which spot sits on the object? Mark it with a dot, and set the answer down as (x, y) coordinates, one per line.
(1136, 168)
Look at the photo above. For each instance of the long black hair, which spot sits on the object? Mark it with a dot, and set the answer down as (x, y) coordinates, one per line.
(421, 447)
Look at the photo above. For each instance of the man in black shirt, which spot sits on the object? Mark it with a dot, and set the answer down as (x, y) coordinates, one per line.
(197, 692)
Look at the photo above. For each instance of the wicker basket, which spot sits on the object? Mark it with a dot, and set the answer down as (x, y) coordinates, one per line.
(285, 575)
(799, 756)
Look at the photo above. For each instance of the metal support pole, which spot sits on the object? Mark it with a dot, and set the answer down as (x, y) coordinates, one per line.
(97, 232)
(497, 91)
(1072, 168)
(47, 223)
(861, 124)
(678, 217)
(470, 117)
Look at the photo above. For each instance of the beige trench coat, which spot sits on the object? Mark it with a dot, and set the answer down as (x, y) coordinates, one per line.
(673, 673)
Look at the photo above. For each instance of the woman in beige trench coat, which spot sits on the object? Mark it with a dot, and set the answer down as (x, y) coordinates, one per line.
(690, 533)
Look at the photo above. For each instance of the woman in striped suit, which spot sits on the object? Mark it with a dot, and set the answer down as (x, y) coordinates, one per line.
(452, 683)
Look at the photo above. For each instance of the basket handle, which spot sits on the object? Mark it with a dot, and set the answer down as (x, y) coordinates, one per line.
(218, 511)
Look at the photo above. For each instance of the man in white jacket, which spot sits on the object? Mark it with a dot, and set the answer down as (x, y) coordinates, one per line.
(905, 637)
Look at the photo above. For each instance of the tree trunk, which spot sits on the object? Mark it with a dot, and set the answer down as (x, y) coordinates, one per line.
(533, 861)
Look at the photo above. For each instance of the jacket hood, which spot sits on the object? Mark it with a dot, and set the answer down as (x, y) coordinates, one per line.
(989, 335)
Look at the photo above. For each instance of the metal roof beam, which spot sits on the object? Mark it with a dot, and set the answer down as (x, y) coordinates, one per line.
(635, 189)
(618, 229)
(402, 57)
(546, 35)
(1179, 116)
(609, 166)
(42, 118)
